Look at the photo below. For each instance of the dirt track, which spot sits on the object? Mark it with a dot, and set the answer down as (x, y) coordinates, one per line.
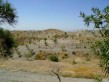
(10, 76)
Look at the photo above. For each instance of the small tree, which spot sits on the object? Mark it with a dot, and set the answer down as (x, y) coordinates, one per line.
(57, 74)
(6, 43)
(55, 41)
(7, 15)
(100, 19)
(57, 70)
(65, 35)
(45, 39)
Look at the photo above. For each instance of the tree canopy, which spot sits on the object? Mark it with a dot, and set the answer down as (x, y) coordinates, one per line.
(100, 19)
(7, 15)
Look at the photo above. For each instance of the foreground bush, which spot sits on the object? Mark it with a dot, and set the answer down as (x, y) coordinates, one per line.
(7, 43)
(100, 19)
(7, 15)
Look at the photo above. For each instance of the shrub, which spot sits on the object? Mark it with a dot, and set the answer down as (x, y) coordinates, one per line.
(74, 53)
(65, 56)
(74, 62)
(28, 55)
(7, 43)
(46, 44)
(55, 41)
(87, 56)
(54, 58)
(42, 55)
(63, 48)
(65, 35)
(98, 79)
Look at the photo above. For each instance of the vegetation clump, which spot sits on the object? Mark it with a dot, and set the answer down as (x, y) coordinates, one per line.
(54, 58)
(28, 55)
(55, 41)
(7, 43)
(42, 55)
(63, 55)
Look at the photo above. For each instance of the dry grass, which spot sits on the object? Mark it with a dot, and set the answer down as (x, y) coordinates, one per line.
(83, 70)
(79, 70)
(42, 55)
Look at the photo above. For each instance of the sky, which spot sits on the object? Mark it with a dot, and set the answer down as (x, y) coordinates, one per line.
(58, 14)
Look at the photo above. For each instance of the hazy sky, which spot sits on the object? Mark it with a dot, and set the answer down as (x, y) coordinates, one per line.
(59, 14)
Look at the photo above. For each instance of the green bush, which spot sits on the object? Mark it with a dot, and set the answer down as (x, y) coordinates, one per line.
(98, 79)
(55, 41)
(7, 43)
(54, 58)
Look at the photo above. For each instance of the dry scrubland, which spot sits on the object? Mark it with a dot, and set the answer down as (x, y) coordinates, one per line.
(49, 50)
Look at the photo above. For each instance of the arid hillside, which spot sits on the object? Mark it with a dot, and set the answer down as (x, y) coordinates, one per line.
(51, 50)
(28, 37)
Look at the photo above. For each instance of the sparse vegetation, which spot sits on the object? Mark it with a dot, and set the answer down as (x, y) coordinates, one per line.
(44, 52)
(65, 52)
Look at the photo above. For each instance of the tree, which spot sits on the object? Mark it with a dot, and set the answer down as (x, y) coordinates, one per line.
(6, 43)
(45, 39)
(7, 15)
(100, 19)
(55, 41)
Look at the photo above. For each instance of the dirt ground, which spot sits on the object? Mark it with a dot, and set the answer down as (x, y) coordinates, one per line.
(10, 76)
